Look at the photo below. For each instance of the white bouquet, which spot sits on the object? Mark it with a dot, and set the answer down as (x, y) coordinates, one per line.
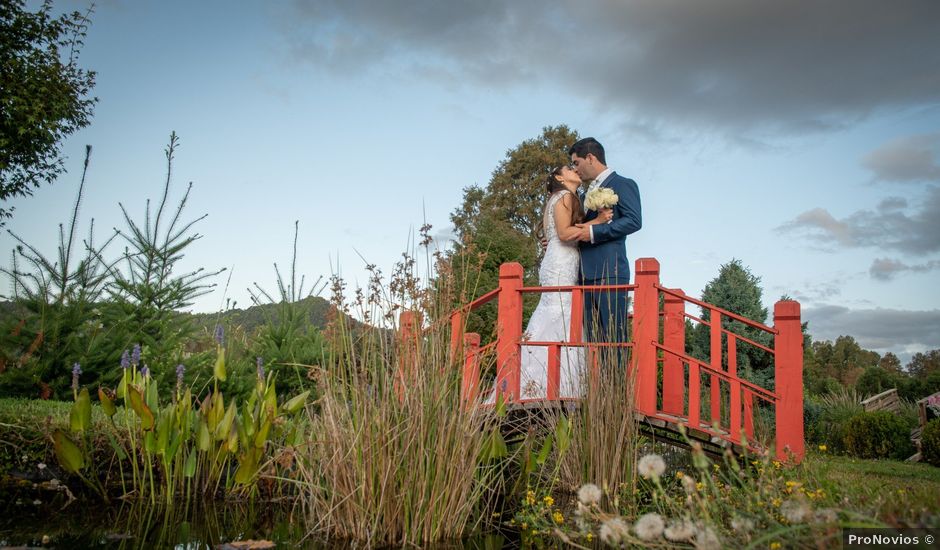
(602, 197)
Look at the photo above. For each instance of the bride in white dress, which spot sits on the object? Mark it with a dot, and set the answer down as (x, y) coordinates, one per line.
(550, 322)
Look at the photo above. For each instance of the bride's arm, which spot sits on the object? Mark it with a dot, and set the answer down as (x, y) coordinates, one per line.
(562, 213)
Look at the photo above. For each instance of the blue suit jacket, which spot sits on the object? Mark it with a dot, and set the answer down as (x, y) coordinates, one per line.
(605, 260)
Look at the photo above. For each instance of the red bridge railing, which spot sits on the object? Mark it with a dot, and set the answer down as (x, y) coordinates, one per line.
(657, 352)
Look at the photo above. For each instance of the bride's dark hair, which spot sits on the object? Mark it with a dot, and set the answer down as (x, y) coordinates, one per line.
(553, 185)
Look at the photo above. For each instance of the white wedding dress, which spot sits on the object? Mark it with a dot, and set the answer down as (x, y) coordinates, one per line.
(551, 320)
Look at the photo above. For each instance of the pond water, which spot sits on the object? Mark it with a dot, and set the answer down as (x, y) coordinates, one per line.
(33, 523)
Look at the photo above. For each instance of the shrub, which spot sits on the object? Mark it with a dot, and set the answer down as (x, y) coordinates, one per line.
(930, 443)
(880, 434)
(826, 418)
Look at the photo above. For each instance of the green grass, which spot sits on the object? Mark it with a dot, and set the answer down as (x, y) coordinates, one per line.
(25, 426)
(887, 489)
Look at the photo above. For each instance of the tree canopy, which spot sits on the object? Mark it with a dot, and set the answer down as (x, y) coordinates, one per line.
(44, 96)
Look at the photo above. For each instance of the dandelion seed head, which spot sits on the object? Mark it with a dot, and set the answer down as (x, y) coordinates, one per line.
(589, 494)
(649, 526)
(651, 466)
(613, 531)
(707, 539)
(688, 483)
(795, 511)
(742, 525)
(680, 530)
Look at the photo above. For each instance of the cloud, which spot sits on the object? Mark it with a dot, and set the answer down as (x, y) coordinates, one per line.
(736, 65)
(908, 159)
(891, 226)
(876, 329)
(886, 269)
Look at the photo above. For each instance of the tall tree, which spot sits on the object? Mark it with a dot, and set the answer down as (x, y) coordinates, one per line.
(737, 290)
(516, 190)
(501, 221)
(44, 96)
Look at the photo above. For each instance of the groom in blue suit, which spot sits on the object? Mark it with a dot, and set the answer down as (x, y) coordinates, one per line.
(603, 246)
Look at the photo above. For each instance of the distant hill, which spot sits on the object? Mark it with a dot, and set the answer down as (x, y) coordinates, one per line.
(249, 319)
(255, 316)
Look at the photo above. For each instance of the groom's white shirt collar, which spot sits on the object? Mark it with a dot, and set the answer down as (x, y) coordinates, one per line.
(602, 176)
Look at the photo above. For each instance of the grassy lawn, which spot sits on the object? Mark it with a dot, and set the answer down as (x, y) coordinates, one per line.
(887, 489)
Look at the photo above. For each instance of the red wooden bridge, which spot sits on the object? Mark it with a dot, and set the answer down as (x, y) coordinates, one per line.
(656, 351)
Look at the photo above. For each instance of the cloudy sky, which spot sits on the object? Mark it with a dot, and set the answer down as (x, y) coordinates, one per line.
(800, 137)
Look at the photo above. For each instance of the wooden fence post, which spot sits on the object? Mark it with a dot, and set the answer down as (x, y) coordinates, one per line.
(673, 339)
(788, 374)
(409, 323)
(470, 388)
(646, 332)
(509, 330)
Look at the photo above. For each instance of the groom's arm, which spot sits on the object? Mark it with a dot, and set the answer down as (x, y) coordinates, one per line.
(628, 216)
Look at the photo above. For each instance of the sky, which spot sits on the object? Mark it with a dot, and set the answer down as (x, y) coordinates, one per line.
(800, 137)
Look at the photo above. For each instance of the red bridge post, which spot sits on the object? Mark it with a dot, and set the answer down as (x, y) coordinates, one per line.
(409, 323)
(788, 373)
(646, 332)
(674, 339)
(509, 330)
(470, 387)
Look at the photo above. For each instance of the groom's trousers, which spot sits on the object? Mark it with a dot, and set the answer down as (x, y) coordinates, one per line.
(605, 319)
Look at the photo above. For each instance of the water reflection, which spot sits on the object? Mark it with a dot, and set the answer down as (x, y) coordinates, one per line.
(190, 527)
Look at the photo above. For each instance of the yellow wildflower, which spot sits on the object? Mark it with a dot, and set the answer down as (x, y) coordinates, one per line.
(823, 448)
(589, 537)
(530, 497)
(558, 518)
(777, 464)
(679, 474)
(775, 546)
(548, 500)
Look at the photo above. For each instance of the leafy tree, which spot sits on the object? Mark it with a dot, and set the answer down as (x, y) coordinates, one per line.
(737, 290)
(923, 365)
(516, 190)
(843, 360)
(500, 223)
(890, 363)
(44, 96)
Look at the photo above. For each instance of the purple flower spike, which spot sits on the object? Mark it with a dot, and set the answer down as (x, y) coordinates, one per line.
(144, 371)
(260, 363)
(76, 372)
(180, 371)
(126, 360)
(220, 335)
(135, 355)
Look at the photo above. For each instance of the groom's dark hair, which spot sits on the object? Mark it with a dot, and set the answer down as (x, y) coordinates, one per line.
(588, 145)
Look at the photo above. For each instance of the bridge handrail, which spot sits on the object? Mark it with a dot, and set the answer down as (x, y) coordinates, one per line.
(760, 392)
(723, 312)
(570, 288)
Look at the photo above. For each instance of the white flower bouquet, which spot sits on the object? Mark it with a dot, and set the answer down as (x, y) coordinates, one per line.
(602, 197)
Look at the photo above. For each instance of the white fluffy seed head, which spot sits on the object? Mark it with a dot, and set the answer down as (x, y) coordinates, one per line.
(651, 466)
(589, 494)
(613, 531)
(649, 526)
